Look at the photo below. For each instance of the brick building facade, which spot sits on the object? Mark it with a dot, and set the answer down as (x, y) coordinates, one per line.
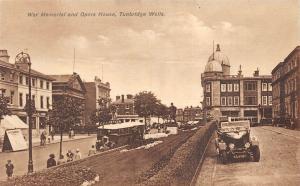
(286, 88)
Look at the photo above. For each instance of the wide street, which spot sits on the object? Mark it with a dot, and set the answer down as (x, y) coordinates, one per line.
(41, 154)
(279, 163)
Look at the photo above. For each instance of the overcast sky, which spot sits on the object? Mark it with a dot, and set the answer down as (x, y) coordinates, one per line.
(165, 55)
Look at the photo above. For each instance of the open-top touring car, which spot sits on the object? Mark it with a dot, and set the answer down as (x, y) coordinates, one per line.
(234, 141)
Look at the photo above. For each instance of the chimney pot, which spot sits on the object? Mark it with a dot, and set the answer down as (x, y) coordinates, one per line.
(4, 56)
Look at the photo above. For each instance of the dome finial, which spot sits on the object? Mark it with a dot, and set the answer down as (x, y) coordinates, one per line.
(218, 48)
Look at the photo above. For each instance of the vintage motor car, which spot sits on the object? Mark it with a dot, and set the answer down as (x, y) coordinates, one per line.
(234, 141)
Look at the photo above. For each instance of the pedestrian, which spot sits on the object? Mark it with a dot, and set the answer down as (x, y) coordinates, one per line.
(77, 155)
(51, 161)
(9, 169)
(43, 139)
(70, 156)
(49, 139)
(61, 160)
(70, 134)
(52, 134)
(92, 150)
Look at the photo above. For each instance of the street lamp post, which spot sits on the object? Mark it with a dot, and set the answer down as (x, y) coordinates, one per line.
(24, 58)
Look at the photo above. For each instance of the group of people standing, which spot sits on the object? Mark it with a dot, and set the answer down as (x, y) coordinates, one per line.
(70, 156)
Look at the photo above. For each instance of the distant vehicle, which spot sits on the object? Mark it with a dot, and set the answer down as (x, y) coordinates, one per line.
(234, 141)
(120, 134)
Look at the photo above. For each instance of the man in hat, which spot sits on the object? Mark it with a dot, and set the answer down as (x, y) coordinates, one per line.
(51, 161)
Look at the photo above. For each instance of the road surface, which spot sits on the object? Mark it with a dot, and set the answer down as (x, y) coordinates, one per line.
(41, 154)
(279, 163)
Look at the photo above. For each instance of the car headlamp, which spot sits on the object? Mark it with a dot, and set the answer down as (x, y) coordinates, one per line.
(247, 145)
(231, 145)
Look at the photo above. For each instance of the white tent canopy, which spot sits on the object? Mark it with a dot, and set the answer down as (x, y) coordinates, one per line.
(11, 122)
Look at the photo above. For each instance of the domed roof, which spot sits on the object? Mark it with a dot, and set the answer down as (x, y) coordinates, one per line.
(213, 66)
(219, 56)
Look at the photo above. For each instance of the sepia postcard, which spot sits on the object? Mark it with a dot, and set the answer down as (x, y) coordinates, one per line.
(149, 92)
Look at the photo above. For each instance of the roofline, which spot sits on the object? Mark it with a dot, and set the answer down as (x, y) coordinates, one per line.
(297, 48)
(277, 67)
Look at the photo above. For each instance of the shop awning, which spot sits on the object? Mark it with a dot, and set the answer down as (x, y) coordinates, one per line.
(12, 122)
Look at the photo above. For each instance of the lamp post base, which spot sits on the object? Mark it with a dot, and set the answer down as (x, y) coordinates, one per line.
(30, 167)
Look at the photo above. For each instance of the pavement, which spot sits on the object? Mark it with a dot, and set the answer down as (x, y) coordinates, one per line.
(41, 153)
(279, 163)
(37, 143)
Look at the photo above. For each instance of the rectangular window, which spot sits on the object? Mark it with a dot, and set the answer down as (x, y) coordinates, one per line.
(11, 76)
(47, 85)
(2, 75)
(12, 93)
(229, 87)
(33, 98)
(270, 100)
(42, 101)
(26, 80)
(27, 96)
(270, 87)
(223, 87)
(264, 87)
(207, 101)
(236, 100)
(33, 82)
(229, 101)
(48, 102)
(223, 101)
(236, 87)
(250, 85)
(250, 100)
(264, 100)
(21, 100)
(21, 79)
(41, 84)
(207, 87)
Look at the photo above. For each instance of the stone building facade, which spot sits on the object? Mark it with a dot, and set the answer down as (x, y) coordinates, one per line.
(286, 88)
(192, 113)
(125, 108)
(69, 85)
(14, 82)
(94, 92)
(235, 95)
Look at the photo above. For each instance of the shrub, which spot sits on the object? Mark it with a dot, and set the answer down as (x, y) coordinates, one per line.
(183, 164)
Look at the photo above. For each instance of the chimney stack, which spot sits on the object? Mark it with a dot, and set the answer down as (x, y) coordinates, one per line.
(122, 98)
(4, 56)
(129, 96)
(256, 73)
(117, 98)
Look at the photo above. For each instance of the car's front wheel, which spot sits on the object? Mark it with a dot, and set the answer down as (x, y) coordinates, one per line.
(256, 154)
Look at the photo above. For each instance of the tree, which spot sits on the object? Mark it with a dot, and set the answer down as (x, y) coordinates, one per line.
(101, 115)
(161, 111)
(4, 107)
(65, 114)
(145, 104)
(104, 113)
